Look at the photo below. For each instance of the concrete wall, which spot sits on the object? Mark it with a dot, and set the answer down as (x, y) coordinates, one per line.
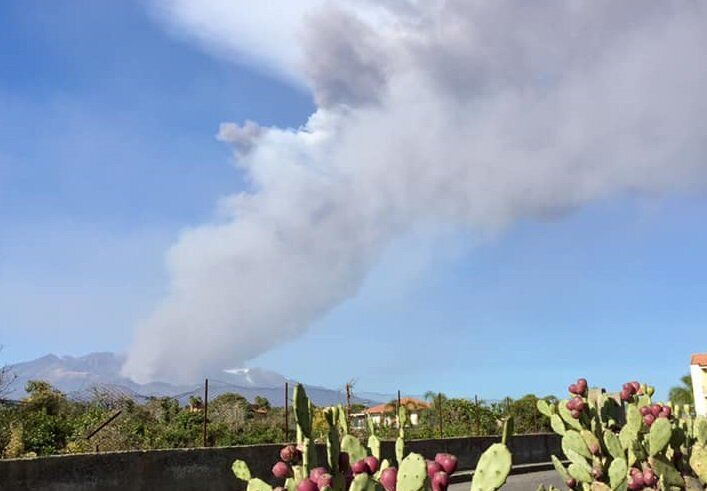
(209, 468)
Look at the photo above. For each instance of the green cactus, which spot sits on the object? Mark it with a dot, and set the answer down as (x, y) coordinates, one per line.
(507, 430)
(359, 483)
(241, 470)
(698, 461)
(560, 468)
(700, 430)
(580, 473)
(591, 441)
(352, 446)
(493, 468)
(545, 407)
(666, 471)
(374, 445)
(333, 443)
(303, 415)
(256, 484)
(613, 444)
(412, 474)
(618, 474)
(557, 425)
(573, 441)
(659, 436)
(399, 449)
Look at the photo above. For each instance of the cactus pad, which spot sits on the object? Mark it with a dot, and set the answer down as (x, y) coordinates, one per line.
(579, 473)
(613, 444)
(659, 436)
(618, 472)
(258, 485)
(572, 440)
(557, 425)
(412, 474)
(374, 445)
(666, 471)
(241, 470)
(493, 468)
(353, 447)
(303, 416)
(359, 483)
(545, 407)
(698, 461)
(567, 416)
(399, 450)
(560, 468)
(700, 430)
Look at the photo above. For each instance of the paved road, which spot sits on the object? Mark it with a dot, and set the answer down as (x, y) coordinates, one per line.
(521, 482)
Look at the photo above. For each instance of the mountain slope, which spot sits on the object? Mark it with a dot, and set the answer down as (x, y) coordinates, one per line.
(81, 377)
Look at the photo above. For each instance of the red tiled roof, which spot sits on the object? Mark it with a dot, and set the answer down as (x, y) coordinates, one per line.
(699, 359)
(408, 402)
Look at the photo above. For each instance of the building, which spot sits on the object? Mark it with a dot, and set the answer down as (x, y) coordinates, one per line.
(698, 372)
(384, 414)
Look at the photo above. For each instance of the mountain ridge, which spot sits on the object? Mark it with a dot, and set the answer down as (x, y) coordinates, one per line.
(82, 377)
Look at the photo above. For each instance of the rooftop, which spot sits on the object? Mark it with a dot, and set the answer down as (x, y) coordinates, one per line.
(699, 359)
(410, 403)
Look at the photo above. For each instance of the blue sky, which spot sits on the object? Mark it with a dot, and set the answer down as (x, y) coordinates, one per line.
(107, 151)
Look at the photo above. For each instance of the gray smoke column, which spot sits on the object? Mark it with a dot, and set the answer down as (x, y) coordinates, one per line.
(469, 113)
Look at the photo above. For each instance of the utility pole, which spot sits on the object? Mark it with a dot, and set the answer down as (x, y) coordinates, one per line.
(206, 411)
(287, 422)
(397, 410)
(439, 410)
(348, 402)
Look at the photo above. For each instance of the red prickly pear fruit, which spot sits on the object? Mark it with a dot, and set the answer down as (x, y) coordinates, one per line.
(579, 404)
(372, 464)
(447, 461)
(667, 411)
(594, 448)
(344, 464)
(440, 481)
(649, 477)
(576, 414)
(307, 485)
(324, 481)
(433, 468)
(288, 453)
(570, 404)
(645, 410)
(571, 483)
(360, 467)
(626, 395)
(572, 389)
(316, 472)
(655, 410)
(635, 386)
(663, 415)
(648, 419)
(281, 470)
(582, 386)
(389, 478)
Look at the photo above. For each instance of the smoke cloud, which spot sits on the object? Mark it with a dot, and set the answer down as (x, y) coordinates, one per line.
(467, 113)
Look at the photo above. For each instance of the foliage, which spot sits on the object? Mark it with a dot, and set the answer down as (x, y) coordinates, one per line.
(682, 394)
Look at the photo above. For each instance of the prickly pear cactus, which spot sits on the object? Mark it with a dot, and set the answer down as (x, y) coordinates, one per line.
(353, 447)
(627, 441)
(412, 474)
(241, 470)
(493, 468)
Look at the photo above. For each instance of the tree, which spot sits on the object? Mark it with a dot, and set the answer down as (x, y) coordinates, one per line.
(7, 377)
(682, 394)
(261, 402)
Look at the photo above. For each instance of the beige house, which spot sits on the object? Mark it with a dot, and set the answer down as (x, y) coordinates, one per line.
(698, 372)
(384, 414)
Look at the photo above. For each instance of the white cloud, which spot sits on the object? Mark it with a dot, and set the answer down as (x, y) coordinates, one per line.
(468, 114)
